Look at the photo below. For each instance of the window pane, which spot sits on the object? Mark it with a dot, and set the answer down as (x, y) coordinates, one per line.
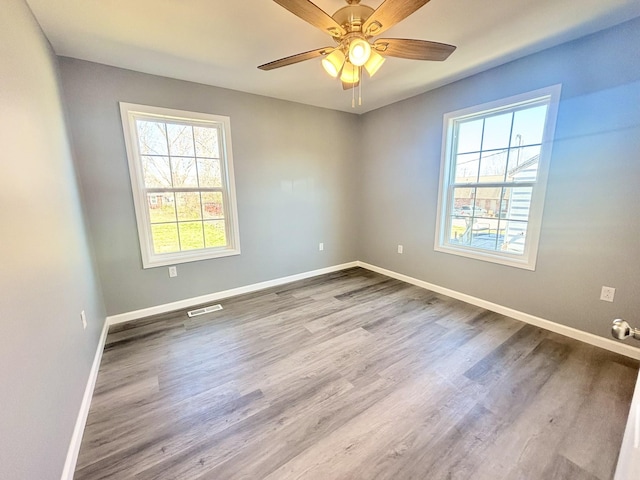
(467, 168)
(214, 234)
(514, 237)
(188, 206)
(523, 164)
(484, 233)
(493, 166)
(162, 207)
(469, 136)
(206, 142)
(528, 126)
(517, 203)
(180, 140)
(484, 223)
(497, 131)
(463, 201)
(209, 173)
(191, 235)
(156, 172)
(212, 205)
(165, 238)
(504, 202)
(459, 231)
(184, 172)
(487, 202)
(152, 138)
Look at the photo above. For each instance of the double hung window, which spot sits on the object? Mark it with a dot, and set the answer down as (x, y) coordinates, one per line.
(181, 170)
(493, 177)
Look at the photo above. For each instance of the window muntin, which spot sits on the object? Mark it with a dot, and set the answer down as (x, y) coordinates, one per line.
(493, 178)
(182, 177)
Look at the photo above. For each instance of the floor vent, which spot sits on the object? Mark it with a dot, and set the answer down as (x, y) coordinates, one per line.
(202, 311)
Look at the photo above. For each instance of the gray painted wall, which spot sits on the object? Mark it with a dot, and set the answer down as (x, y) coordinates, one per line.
(591, 227)
(46, 273)
(295, 169)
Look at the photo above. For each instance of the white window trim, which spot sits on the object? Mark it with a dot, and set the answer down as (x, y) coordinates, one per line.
(529, 258)
(128, 112)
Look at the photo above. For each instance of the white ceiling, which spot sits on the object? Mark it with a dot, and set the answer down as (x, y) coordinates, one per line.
(221, 42)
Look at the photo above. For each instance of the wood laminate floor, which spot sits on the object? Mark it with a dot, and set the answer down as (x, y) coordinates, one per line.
(352, 375)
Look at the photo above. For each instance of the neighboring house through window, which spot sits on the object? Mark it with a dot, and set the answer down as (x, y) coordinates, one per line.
(493, 177)
(181, 170)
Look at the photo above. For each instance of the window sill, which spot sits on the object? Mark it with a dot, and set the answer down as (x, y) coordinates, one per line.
(493, 257)
(182, 257)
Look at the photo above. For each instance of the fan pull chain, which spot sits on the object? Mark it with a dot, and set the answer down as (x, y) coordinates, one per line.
(360, 86)
(353, 95)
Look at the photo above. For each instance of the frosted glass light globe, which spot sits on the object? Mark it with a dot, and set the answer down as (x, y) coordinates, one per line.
(359, 52)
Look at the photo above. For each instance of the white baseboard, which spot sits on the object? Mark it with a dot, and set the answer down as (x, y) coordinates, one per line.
(81, 421)
(190, 302)
(590, 338)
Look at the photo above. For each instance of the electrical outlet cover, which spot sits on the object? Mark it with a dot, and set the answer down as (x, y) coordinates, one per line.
(607, 294)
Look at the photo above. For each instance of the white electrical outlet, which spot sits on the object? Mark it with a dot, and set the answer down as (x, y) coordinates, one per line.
(320, 247)
(400, 249)
(173, 272)
(607, 294)
(83, 317)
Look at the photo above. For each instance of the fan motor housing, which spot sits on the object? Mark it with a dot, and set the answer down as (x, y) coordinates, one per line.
(352, 17)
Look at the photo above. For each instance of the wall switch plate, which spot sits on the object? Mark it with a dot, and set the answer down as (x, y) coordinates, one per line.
(173, 272)
(83, 317)
(320, 247)
(400, 249)
(607, 294)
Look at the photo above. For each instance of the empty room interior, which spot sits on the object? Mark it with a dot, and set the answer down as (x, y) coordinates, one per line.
(284, 239)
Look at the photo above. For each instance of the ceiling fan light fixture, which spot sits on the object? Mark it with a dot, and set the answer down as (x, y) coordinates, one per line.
(359, 51)
(374, 63)
(333, 62)
(350, 73)
(352, 28)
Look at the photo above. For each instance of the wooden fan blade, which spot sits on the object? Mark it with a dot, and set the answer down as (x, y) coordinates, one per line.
(389, 13)
(413, 49)
(300, 57)
(311, 13)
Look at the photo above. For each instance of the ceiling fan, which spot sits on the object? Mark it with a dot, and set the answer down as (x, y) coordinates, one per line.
(352, 28)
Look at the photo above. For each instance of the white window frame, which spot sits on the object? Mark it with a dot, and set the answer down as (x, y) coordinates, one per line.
(526, 260)
(129, 113)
